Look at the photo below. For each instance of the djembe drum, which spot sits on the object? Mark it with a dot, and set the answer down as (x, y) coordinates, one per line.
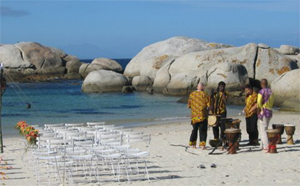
(290, 130)
(273, 135)
(223, 123)
(232, 135)
(213, 120)
(280, 127)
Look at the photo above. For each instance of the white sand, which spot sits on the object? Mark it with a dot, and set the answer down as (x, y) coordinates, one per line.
(170, 164)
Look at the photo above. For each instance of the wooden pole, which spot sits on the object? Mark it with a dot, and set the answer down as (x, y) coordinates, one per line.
(1, 79)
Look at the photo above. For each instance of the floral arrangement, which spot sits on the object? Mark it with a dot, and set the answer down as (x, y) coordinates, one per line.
(28, 131)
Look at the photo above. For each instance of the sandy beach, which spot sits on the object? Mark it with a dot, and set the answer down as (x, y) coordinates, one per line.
(171, 163)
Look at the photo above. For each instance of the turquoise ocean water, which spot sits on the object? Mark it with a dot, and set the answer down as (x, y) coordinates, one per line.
(63, 102)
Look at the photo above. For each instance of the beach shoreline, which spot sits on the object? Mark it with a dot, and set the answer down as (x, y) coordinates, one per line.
(172, 162)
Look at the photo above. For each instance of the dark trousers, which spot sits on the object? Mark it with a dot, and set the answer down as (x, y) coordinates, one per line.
(202, 126)
(251, 124)
(216, 130)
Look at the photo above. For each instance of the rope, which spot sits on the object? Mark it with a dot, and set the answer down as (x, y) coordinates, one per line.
(23, 100)
(290, 138)
(234, 141)
(26, 97)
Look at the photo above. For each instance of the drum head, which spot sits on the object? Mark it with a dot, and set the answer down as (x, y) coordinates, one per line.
(212, 120)
(232, 131)
(273, 131)
(290, 125)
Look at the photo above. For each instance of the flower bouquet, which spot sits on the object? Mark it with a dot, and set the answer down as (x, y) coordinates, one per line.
(28, 131)
(21, 125)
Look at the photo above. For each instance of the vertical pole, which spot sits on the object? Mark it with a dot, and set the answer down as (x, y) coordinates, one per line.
(1, 137)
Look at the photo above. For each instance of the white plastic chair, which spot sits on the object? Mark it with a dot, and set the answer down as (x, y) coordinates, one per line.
(72, 125)
(139, 156)
(94, 124)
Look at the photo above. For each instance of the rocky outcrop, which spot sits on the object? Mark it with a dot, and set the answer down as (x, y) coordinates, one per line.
(73, 69)
(103, 81)
(73, 66)
(234, 75)
(154, 56)
(30, 60)
(234, 65)
(141, 83)
(12, 57)
(289, 50)
(286, 90)
(99, 64)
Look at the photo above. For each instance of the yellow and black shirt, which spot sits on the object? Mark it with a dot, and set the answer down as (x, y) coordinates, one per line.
(218, 99)
(198, 102)
(250, 101)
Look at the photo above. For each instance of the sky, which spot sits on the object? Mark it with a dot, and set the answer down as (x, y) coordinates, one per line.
(120, 28)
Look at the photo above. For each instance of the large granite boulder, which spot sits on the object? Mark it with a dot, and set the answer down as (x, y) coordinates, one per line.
(182, 74)
(141, 83)
(286, 89)
(295, 57)
(289, 50)
(259, 62)
(72, 68)
(103, 81)
(153, 57)
(100, 64)
(12, 57)
(32, 61)
(162, 78)
(45, 60)
(270, 64)
(234, 75)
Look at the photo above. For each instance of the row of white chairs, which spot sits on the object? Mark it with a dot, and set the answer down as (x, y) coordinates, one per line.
(92, 152)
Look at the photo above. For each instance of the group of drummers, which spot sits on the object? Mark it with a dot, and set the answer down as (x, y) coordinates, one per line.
(258, 107)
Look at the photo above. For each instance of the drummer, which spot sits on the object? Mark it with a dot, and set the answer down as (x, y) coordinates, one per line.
(220, 99)
(250, 114)
(199, 102)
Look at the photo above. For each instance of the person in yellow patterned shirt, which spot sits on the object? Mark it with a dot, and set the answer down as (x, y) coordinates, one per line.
(198, 103)
(219, 107)
(251, 115)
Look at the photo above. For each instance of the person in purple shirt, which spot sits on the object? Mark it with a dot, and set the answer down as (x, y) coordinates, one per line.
(265, 100)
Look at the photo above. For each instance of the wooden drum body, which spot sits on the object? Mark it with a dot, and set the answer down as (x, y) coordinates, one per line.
(290, 130)
(273, 135)
(280, 127)
(232, 136)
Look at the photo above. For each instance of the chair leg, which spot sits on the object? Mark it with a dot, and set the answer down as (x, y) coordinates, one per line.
(146, 168)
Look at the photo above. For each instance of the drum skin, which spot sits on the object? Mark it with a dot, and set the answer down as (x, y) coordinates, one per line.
(213, 120)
